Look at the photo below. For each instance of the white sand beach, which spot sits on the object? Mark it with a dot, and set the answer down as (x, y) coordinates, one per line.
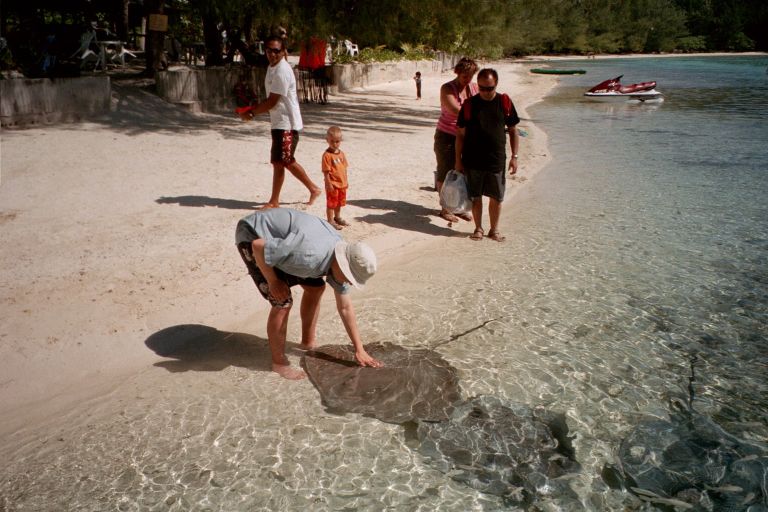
(116, 228)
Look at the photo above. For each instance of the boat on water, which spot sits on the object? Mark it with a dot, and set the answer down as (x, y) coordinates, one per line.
(550, 71)
(613, 90)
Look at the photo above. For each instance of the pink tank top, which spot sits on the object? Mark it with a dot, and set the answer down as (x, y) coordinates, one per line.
(447, 121)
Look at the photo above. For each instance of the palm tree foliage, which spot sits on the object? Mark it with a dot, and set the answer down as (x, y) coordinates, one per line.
(490, 28)
(514, 27)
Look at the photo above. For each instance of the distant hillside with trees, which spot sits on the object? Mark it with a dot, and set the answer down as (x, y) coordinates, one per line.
(488, 28)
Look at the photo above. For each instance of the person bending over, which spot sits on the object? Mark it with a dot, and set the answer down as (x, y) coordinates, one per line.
(282, 248)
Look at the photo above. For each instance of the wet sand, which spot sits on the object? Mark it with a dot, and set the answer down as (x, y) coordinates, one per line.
(120, 228)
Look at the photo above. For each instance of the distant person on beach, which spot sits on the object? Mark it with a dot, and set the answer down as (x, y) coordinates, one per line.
(334, 166)
(282, 103)
(452, 95)
(283, 248)
(417, 78)
(481, 135)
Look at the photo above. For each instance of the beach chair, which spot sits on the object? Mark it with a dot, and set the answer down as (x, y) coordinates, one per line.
(118, 57)
(351, 48)
(84, 53)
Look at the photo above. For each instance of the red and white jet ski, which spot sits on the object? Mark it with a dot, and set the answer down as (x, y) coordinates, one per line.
(613, 90)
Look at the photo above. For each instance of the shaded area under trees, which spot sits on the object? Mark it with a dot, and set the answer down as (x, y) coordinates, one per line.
(491, 28)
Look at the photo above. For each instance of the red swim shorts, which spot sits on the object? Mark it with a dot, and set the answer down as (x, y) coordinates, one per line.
(336, 198)
(284, 144)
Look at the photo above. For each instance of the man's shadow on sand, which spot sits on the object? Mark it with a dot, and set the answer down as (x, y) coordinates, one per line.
(201, 348)
(403, 215)
(218, 202)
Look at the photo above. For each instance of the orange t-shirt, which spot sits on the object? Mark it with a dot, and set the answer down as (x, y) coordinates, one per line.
(335, 164)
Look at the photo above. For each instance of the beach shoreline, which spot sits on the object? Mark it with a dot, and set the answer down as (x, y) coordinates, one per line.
(122, 227)
(609, 56)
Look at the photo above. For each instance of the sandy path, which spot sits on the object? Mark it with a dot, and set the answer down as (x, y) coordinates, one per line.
(117, 228)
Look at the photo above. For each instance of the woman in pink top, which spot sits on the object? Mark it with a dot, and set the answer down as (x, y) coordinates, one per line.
(452, 95)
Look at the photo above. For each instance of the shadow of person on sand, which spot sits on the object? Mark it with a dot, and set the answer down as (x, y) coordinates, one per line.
(202, 348)
(218, 202)
(201, 201)
(403, 215)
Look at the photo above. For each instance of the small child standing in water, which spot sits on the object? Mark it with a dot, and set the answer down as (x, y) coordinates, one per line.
(417, 78)
(334, 168)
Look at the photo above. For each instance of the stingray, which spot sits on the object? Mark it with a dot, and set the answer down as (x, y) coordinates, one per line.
(689, 462)
(502, 448)
(413, 385)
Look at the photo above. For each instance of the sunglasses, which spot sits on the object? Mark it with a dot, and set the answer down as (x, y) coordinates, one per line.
(274, 51)
(486, 88)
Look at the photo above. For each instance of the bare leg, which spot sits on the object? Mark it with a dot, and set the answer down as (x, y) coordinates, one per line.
(310, 312)
(477, 212)
(443, 212)
(277, 328)
(494, 212)
(278, 177)
(329, 213)
(298, 171)
(337, 217)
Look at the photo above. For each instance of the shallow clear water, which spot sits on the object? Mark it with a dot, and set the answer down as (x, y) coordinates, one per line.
(638, 253)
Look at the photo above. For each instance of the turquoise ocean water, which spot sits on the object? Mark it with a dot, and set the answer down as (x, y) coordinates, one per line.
(674, 195)
(633, 276)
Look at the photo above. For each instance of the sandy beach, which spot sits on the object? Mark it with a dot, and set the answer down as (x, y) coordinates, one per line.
(119, 227)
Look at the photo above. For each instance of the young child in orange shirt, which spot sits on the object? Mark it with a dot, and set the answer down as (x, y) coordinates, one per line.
(335, 175)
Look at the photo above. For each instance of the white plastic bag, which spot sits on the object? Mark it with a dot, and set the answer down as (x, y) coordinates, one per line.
(454, 196)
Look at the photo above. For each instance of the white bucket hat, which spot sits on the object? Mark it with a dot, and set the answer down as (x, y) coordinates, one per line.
(357, 262)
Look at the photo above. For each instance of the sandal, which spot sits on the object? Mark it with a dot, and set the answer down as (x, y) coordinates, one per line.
(495, 235)
(477, 235)
(465, 216)
(340, 221)
(448, 216)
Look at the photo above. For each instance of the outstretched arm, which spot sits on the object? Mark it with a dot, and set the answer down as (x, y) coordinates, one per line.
(248, 113)
(347, 313)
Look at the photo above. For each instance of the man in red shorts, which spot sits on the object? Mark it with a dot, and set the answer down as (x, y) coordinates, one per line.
(282, 103)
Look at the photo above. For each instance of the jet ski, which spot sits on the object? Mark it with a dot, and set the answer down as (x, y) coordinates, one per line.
(613, 90)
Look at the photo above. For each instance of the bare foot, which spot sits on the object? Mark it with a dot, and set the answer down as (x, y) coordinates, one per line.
(495, 235)
(334, 224)
(449, 216)
(267, 206)
(308, 346)
(341, 222)
(287, 372)
(465, 216)
(314, 195)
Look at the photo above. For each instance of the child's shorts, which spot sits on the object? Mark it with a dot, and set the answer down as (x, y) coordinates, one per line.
(244, 248)
(284, 144)
(336, 198)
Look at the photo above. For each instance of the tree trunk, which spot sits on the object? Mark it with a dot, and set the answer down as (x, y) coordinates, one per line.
(123, 20)
(248, 29)
(155, 40)
(213, 41)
